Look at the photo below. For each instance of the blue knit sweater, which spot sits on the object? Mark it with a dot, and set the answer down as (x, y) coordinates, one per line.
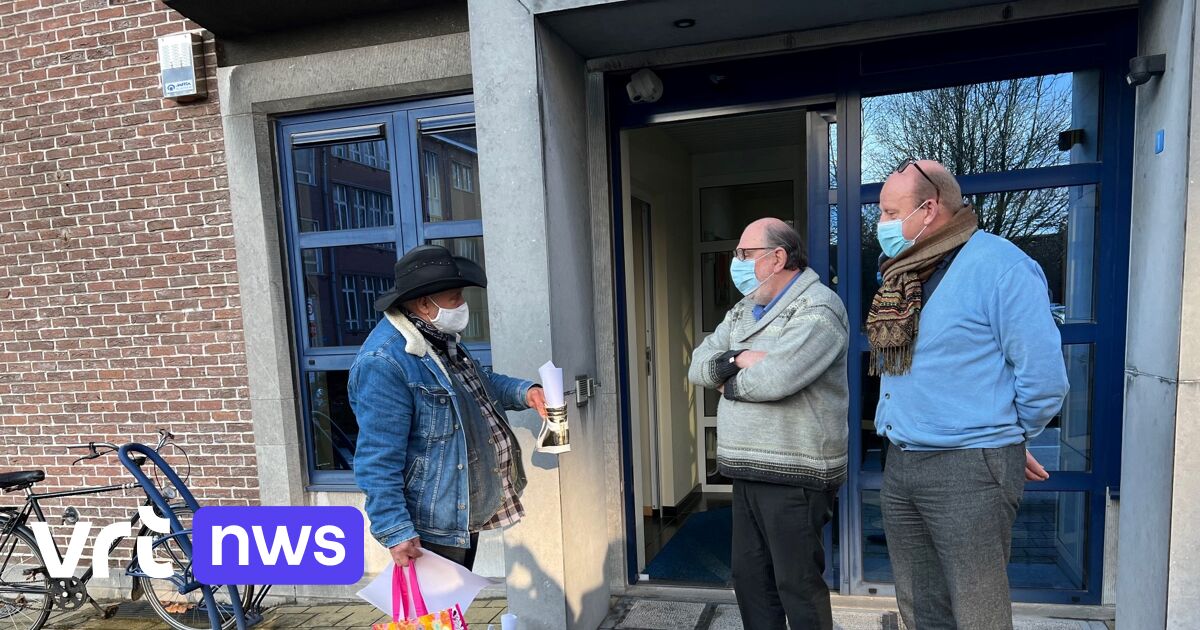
(988, 367)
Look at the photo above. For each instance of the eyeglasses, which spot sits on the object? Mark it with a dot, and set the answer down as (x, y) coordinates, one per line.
(740, 253)
(913, 163)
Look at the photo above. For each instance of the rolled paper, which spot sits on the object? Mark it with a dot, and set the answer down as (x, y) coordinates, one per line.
(552, 384)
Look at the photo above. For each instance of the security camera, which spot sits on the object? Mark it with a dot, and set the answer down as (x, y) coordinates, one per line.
(644, 87)
(1144, 68)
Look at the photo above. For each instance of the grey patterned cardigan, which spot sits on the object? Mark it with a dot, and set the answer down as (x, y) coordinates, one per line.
(784, 419)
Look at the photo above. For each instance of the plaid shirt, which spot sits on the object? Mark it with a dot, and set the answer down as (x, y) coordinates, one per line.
(461, 367)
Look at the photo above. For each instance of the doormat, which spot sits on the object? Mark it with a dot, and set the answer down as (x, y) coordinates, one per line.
(648, 614)
(699, 552)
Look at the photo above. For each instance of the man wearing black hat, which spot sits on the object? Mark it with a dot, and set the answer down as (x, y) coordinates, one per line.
(436, 456)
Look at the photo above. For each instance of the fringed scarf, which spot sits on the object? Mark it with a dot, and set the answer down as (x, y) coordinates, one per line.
(892, 322)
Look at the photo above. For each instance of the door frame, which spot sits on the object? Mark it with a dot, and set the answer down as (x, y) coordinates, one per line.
(1051, 46)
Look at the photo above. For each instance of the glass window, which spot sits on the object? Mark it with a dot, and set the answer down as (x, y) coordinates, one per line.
(454, 150)
(337, 319)
(1066, 444)
(833, 182)
(335, 198)
(463, 177)
(1057, 227)
(305, 167)
(718, 294)
(712, 473)
(1049, 541)
(726, 210)
(479, 325)
(335, 430)
(992, 127)
(343, 182)
(833, 245)
(874, 447)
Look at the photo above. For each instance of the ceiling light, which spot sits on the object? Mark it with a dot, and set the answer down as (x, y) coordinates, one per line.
(685, 23)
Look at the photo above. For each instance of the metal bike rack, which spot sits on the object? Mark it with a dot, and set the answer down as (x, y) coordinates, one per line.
(182, 535)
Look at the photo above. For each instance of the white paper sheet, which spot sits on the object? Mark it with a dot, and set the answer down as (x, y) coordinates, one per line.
(443, 584)
(552, 384)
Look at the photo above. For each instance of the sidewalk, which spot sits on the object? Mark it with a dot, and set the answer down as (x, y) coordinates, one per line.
(626, 614)
(339, 616)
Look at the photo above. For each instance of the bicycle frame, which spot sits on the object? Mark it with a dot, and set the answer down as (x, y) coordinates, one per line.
(13, 519)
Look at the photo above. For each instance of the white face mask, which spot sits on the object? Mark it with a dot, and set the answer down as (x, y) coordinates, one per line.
(451, 320)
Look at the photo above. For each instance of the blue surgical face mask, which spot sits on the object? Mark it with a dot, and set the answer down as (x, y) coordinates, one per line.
(742, 273)
(891, 234)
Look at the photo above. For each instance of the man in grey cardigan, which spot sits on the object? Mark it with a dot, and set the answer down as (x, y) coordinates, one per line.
(779, 359)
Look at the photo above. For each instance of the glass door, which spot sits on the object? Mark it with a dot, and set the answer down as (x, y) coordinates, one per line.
(1030, 154)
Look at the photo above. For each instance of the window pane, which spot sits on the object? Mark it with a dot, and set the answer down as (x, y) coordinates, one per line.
(1049, 541)
(340, 287)
(1057, 227)
(873, 446)
(1066, 444)
(340, 185)
(334, 428)
(985, 127)
(833, 139)
(718, 294)
(471, 247)
(449, 162)
(726, 210)
(711, 472)
(712, 399)
(877, 567)
(1049, 547)
(833, 246)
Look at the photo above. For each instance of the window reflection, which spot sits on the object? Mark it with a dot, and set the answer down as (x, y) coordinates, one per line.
(340, 287)
(1057, 227)
(345, 186)
(478, 326)
(990, 127)
(726, 210)
(335, 429)
(1049, 541)
(449, 162)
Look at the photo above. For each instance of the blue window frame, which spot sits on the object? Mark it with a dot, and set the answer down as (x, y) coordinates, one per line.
(360, 188)
(1089, 183)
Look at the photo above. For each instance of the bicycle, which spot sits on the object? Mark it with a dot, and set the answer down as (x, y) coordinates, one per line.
(28, 593)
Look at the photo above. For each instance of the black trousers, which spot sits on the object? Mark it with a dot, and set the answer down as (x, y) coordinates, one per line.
(460, 555)
(779, 556)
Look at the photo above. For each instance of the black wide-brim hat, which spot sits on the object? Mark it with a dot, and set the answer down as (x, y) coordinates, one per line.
(430, 269)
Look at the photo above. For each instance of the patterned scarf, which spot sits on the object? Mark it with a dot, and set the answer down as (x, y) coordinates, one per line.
(893, 319)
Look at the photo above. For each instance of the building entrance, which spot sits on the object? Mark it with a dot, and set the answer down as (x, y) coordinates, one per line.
(1039, 139)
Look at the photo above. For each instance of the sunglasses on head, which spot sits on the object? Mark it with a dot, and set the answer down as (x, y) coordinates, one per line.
(913, 163)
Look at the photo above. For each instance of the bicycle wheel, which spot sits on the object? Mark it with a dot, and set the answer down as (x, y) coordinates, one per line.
(186, 611)
(25, 600)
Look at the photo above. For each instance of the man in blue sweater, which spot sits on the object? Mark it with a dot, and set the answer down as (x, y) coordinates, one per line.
(957, 401)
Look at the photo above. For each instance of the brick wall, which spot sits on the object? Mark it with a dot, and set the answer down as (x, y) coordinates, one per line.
(119, 306)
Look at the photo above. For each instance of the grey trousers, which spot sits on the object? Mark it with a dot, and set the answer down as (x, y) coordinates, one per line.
(948, 517)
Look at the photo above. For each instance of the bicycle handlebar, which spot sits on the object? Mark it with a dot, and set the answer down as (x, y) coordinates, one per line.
(164, 437)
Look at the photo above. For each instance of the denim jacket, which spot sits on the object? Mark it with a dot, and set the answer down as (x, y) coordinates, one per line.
(413, 460)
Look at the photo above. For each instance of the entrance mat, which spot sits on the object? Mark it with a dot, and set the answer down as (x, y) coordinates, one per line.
(648, 614)
(699, 552)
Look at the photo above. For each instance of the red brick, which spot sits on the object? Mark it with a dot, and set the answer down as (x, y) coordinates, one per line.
(114, 218)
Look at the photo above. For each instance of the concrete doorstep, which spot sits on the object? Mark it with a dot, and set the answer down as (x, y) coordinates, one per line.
(630, 613)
